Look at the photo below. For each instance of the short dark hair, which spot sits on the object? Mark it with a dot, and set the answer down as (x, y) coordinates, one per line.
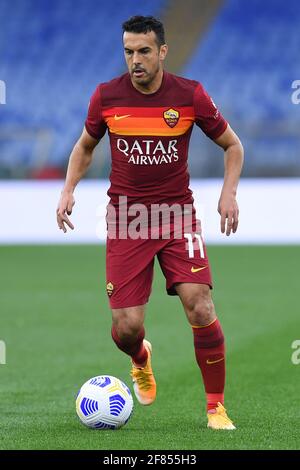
(145, 24)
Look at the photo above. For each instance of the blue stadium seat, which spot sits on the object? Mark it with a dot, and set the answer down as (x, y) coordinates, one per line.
(247, 61)
(52, 56)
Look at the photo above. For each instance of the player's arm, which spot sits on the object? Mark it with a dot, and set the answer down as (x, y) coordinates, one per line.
(233, 162)
(80, 159)
(213, 124)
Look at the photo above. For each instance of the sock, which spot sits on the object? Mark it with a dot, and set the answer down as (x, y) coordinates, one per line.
(210, 356)
(132, 346)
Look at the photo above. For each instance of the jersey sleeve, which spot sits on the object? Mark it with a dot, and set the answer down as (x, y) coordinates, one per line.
(207, 115)
(95, 124)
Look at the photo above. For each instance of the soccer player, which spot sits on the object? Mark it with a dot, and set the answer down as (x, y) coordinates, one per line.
(149, 115)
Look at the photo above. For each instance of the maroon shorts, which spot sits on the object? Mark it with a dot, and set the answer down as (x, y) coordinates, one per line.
(129, 266)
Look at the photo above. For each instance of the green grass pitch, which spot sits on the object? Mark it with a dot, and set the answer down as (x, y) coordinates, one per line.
(55, 321)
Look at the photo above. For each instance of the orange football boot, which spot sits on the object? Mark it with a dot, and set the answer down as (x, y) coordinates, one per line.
(218, 419)
(144, 384)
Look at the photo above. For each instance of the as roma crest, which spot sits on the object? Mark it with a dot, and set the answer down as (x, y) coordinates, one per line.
(109, 288)
(171, 116)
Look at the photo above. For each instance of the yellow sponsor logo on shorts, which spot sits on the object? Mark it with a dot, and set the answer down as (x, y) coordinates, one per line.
(195, 270)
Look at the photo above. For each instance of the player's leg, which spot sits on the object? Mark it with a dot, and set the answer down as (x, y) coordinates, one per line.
(128, 333)
(208, 338)
(187, 272)
(129, 269)
(209, 348)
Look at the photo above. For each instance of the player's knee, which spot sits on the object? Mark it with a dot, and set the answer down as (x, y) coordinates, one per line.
(200, 309)
(128, 329)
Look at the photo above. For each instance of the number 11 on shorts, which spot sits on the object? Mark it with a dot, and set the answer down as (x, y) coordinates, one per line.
(189, 238)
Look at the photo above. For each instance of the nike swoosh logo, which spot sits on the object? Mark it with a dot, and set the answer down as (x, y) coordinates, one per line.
(117, 118)
(214, 362)
(195, 270)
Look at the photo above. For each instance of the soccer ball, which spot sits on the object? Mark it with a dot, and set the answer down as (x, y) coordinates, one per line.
(104, 402)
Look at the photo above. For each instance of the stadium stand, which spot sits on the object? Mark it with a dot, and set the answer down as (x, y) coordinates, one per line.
(178, 14)
(247, 61)
(53, 54)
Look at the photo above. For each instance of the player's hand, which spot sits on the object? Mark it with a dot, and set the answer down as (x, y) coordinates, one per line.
(64, 209)
(229, 212)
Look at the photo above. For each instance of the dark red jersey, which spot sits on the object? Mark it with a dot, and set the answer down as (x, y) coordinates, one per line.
(149, 136)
